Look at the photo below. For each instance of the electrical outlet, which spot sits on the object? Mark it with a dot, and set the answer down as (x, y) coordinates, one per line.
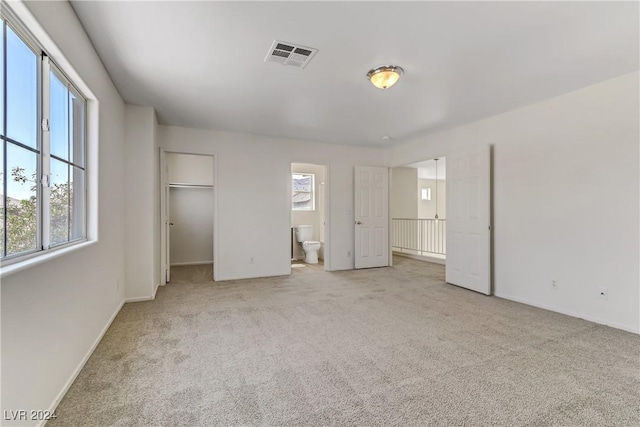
(348, 254)
(251, 260)
(603, 292)
(554, 285)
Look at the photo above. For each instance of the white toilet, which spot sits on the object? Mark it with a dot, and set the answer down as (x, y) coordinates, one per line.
(304, 234)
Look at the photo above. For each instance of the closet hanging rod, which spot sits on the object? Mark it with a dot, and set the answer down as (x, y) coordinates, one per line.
(190, 186)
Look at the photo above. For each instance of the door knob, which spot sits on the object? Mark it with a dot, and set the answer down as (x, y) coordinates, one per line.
(170, 223)
(358, 222)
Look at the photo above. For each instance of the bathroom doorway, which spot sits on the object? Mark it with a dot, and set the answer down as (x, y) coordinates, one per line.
(308, 215)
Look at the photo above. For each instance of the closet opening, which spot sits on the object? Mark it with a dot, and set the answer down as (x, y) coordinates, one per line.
(188, 215)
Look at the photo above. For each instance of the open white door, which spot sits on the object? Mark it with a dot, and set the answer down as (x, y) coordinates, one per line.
(371, 216)
(167, 226)
(165, 272)
(468, 220)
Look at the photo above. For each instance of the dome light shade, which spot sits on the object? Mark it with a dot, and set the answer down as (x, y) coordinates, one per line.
(386, 76)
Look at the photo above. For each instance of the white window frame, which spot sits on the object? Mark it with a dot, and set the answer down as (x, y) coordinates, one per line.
(313, 192)
(43, 248)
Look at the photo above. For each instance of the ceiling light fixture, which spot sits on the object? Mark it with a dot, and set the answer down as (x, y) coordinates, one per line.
(386, 76)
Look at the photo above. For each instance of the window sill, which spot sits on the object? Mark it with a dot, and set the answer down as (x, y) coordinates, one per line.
(7, 270)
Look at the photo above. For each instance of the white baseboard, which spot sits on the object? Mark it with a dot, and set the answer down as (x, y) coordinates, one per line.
(83, 362)
(257, 276)
(181, 264)
(140, 299)
(569, 313)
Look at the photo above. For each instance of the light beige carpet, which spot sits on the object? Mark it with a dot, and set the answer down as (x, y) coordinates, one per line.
(391, 346)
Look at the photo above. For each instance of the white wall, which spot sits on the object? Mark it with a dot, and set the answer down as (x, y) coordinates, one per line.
(565, 199)
(252, 210)
(155, 199)
(142, 201)
(427, 208)
(403, 197)
(191, 212)
(315, 217)
(190, 169)
(53, 313)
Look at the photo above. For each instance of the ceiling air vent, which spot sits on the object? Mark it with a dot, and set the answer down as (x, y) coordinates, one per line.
(290, 54)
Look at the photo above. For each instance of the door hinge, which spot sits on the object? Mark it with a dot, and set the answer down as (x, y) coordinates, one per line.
(46, 181)
(45, 125)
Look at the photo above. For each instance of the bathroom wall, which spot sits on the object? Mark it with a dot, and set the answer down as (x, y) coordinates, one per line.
(427, 208)
(315, 217)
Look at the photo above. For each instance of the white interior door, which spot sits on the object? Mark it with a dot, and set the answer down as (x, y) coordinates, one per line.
(371, 216)
(468, 220)
(167, 227)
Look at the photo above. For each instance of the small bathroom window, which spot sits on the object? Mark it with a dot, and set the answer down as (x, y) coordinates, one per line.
(303, 194)
(426, 194)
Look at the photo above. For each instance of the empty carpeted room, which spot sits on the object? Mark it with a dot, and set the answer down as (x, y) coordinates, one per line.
(228, 213)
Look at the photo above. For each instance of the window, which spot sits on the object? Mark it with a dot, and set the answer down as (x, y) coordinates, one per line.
(42, 157)
(426, 194)
(303, 195)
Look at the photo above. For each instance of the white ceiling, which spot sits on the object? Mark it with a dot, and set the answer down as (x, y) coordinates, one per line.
(427, 168)
(201, 64)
